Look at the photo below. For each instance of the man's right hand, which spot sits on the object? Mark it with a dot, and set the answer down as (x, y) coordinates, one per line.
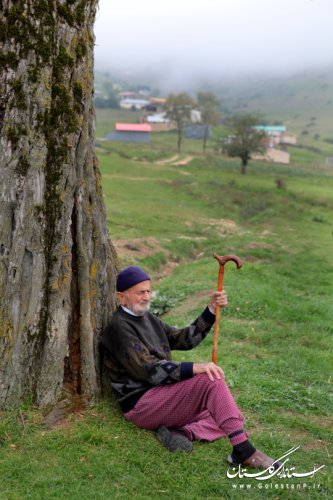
(213, 371)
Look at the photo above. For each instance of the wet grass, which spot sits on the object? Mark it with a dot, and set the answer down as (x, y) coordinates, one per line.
(275, 336)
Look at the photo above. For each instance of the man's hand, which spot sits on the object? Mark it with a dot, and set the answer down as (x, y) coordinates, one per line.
(218, 299)
(213, 371)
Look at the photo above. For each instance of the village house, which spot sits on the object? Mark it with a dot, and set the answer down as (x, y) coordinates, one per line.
(198, 131)
(277, 134)
(276, 142)
(158, 122)
(155, 105)
(273, 155)
(130, 132)
(154, 114)
(128, 95)
(131, 103)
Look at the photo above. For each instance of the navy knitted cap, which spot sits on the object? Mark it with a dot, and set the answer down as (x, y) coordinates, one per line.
(130, 276)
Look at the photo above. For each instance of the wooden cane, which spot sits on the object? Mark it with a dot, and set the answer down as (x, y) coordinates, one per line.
(222, 260)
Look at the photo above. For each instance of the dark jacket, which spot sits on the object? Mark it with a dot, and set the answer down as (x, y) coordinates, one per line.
(138, 352)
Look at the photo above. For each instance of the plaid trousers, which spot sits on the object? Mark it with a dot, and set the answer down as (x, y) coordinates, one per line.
(203, 409)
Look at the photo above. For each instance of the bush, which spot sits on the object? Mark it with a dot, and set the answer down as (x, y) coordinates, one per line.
(105, 103)
(280, 183)
(161, 304)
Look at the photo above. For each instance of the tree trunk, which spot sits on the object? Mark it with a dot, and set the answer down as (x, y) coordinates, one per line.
(57, 264)
(205, 138)
(179, 140)
(244, 164)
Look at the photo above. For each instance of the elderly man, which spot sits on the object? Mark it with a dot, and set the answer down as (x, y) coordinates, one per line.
(181, 401)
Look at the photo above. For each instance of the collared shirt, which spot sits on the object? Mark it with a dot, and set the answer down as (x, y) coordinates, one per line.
(128, 311)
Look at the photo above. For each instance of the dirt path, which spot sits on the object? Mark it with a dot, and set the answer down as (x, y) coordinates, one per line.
(183, 162)
(167, 160)
(138, 247)
(134, 249)
(132, 178)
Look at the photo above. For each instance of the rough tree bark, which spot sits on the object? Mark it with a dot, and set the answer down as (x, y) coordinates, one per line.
(57, 264)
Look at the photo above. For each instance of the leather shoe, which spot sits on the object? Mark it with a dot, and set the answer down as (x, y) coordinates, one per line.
(173, 440)
(258, 460)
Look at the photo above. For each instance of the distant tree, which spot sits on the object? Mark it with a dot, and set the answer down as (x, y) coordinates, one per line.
(109, 99)
(106, 102)
(210, 115)
(155, 92)
(139, 88)
(245, 139)
(178, 109)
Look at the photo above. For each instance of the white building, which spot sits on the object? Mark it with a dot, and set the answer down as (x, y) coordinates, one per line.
(129, 103)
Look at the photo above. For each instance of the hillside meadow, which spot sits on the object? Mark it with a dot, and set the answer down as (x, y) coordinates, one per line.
(302, 101)
(275, 336)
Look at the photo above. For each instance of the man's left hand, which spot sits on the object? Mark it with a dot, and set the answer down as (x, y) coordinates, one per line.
(218, 299)
(213, 371)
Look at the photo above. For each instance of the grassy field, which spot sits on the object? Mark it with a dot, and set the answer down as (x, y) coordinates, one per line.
(276, 334)
(312, 133)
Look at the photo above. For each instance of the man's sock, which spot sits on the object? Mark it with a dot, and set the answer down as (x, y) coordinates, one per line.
(178, 431)
(242, 451)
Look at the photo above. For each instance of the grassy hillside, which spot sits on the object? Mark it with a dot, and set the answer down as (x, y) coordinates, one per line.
(276, 334)
(303, 102)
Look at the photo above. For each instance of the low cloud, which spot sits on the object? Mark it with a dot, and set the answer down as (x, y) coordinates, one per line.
(190, 40)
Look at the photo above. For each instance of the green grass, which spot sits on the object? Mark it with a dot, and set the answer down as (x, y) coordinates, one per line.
(275, 335)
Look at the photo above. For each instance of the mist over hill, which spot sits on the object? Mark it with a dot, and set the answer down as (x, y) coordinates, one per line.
(303, 101)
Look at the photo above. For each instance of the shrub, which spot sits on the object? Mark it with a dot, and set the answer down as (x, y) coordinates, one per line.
(280, 183)
(161, 304)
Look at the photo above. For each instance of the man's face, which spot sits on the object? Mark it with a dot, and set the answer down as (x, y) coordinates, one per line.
(137, 298)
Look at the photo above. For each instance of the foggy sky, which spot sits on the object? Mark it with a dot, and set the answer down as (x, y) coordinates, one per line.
(189, 39)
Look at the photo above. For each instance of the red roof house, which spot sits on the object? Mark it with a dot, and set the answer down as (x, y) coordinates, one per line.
(133, 127)
(130, 132)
